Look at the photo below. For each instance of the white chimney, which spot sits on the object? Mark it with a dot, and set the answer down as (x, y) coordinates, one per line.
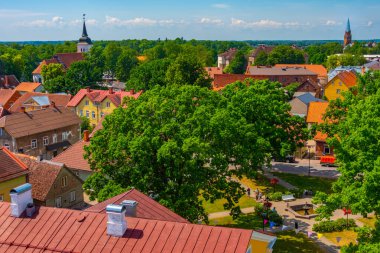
(130, 207)
(116, 224)
(21, 196)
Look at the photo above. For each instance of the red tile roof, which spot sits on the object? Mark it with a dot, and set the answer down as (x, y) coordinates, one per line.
(73, 157)
(147, 208)
(211, 71)
(28, 87)
(63, 230)
(8, 81)
(347, 77)
(39, 121)
(10, 166)
(316, 111)
(320, 137)
(318, 69)
(230, 54)
(6, 96)
(42, 175)
(222, 80)
(58, 99)
(66, 59)
(99, 95)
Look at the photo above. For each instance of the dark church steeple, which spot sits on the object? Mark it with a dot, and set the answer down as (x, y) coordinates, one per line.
(347, 34)
(85, 42)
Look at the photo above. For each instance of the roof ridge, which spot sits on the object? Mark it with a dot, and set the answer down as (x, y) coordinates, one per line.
(18, 161)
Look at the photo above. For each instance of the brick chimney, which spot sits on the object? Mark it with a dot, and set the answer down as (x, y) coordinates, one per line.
(132, 91)
(88, 89)
(110, 90)
(86, 136)
(22, 109)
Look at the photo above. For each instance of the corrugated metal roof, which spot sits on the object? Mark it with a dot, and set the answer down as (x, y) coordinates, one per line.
(62, 230)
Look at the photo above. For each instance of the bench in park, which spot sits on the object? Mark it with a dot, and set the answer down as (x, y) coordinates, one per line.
(289, 197)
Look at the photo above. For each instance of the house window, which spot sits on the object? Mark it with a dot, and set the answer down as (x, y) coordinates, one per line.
(72, 196)
(93, 114)
(108, 104)
(101, 114)
(340, 83)
(338, 91)
(1, 197)
(87, 103)
(46, 140)
(1, 132)
(81, 113)
(65, 136)
(64, 181)
(326, 150)
(54, 138)
(87, 114)
(34, 143)
(58, 202)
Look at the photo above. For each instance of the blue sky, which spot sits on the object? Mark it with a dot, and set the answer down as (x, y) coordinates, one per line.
(215, 20)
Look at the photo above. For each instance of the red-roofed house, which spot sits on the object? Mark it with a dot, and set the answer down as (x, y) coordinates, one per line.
(8, 82)
(343, 81)
(211, 71)
(36, 100)
(8, 98)
(25, 87)
(65, 59)
(58, 230)
(13, 173)
(147, 208)
(94, 104)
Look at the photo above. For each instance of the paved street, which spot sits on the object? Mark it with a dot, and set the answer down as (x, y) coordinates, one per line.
(301, 167)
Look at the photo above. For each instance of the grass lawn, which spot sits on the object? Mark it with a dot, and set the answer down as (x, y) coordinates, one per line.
(261, 183)
(247, 221)
(304, 182)
(347, 236)
(217, 206)
(290, 242)
(369, 221)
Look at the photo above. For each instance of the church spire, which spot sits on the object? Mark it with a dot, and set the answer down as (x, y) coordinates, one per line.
(348, 27)
(84, 32)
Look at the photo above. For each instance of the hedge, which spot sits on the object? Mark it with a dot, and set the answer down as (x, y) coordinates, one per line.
(333, 226)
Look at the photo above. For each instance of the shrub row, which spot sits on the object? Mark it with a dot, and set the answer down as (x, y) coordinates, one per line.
(333, 226)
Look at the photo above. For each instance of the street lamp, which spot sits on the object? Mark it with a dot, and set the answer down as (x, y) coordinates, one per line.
(347, 211)
(308, 148)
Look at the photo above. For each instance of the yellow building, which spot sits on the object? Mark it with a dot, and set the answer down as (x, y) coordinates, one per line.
(340, 83)
(262, 242)
(13, 173)
(94, 104)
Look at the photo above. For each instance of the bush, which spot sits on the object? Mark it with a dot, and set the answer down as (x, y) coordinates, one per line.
(275, 196)
(272, 216)
(333, 226)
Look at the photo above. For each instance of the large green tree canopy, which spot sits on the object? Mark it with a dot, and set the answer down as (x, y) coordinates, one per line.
(185, 141)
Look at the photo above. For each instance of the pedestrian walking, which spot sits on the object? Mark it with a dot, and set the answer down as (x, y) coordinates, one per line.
(249, 192)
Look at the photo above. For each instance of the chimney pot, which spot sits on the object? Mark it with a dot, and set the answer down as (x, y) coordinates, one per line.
(21, 196)
(132, 91)
(116, 224)
(86, 136)
(130, 207)
(88, 89)
(110, 90)
(22, 108)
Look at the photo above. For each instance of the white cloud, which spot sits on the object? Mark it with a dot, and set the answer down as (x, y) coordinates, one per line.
(113, 21)
(332, 23)
(265, 23)
(370, 23)
(220, 6)
(12, 13)
(211, 21)
(53, 22)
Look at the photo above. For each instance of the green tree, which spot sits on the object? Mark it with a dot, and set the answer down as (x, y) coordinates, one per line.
(52, 71)
(285, 55)
(55, 85)
(238, 65)
(126, 62)
(180, 142)
(261, 59)
(187, 70)
(82, 74)
(111, 55)
(149, 74)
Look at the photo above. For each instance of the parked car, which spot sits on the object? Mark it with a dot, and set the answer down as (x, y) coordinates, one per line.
(286, 159)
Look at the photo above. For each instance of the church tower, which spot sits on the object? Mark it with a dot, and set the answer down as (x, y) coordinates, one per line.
(84, 43)
(347, 35)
